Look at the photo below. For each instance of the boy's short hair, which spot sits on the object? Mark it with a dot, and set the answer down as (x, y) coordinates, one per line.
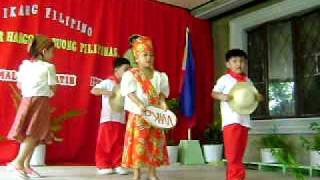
(133, 37)
(119, 61)
(236, 53)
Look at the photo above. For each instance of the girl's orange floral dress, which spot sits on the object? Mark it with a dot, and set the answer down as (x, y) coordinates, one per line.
(144, 145)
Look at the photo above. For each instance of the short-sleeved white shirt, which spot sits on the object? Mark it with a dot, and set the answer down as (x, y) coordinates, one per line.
(106, 113)
(224, 85)
(36, 77)
(129, 84)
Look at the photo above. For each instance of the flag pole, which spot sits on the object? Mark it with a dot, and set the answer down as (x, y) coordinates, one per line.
(185, 54)
(187, 37)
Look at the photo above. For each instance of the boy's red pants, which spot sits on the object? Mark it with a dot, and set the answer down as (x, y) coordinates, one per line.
(235, 141)
(109, 146)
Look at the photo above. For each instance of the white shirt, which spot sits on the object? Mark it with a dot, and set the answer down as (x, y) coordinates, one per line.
(36, 78)
(106, 113)
(129, 84)
(224, 85)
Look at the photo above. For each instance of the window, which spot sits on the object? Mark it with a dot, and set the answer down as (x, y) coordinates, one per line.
(284, 64)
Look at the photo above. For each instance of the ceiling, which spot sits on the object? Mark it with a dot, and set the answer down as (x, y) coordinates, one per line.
(206, 9)
(188, 4)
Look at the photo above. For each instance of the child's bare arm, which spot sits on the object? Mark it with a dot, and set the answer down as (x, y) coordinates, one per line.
(259, 97)
(220, 96)
(53, 89)
(99, 92)
(163, 104)
(137, 101)
(19, 85)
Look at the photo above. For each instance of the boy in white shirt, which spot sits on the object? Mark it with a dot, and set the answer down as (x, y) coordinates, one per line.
(110, 139)
(235, 125)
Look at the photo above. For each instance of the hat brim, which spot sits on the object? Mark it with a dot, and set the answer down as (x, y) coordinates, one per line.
(116, 101)
(243, 110)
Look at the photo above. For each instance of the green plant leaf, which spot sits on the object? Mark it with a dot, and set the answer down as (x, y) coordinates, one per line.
(65, 116)
(288, 160)
(57, 122)
(305, 143)
(313, 144)
(56, 128)
(213, 133)
(2, 138)
(173, 104)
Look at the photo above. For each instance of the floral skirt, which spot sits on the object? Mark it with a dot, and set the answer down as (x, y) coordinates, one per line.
(144, 145)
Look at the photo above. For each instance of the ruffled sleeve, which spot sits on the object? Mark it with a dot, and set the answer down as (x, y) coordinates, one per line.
(128, 84)
(164, 84)
(219, 86)
(19, 74)
(52, 78)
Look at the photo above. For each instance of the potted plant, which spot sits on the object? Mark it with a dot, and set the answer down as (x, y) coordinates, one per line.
(274, 148)
(271, 144)
(39, 153)
(314, 145)
(56, 125)
(213, 147)
(172, 146)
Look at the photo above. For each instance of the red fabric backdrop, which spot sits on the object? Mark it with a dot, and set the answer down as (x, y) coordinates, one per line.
(112, 21)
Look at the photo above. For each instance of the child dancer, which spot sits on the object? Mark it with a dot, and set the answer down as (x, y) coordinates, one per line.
(36, 80)
(112, 123)
(145, 146)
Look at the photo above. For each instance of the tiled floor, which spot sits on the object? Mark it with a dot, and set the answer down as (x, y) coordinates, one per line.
(206, 172)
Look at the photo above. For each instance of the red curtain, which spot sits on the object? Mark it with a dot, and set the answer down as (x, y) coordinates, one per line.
(112, 22)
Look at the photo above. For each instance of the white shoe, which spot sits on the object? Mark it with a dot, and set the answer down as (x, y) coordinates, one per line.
(18, 173)
(121, 171)
(31, 173)
(104, 171)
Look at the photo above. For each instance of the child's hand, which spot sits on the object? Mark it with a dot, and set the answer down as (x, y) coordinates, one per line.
(164, 106)
(225, 97)
(220, 96)
(143, 108)
(259, 97)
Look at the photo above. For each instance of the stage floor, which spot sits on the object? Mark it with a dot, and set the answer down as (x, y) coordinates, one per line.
(206, 172)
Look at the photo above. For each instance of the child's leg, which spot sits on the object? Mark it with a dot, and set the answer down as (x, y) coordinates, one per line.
(103, 150)
(235, 141)
(136, 174)
(28, 158)
(101, 157)
(117, 145)
(152, 173)
(26, 147)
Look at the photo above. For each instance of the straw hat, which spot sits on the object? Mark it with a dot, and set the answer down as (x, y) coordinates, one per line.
(243, 98)
(116, 101)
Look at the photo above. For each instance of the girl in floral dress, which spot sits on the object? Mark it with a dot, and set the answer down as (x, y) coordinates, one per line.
(145, 145)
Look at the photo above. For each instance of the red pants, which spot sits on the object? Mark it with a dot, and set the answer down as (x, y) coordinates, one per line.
(235, 141)
(110, 145)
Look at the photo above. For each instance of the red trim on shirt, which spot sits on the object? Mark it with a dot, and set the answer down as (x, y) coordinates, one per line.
(115, 79)
(239, 77)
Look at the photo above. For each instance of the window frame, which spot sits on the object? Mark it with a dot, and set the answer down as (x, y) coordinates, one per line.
(298, 92)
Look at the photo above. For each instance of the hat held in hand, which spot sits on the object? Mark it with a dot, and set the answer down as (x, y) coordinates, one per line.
(243, 98)
(116, 101)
